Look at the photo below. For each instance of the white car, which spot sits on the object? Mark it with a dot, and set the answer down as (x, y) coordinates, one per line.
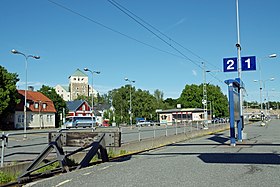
(143, 123)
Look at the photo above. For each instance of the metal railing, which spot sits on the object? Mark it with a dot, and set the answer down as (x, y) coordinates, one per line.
(15, 148)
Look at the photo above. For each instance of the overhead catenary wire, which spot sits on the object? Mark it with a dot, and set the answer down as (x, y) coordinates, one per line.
(159, 37)
(111, 29)
(182, 55)
(142, 22)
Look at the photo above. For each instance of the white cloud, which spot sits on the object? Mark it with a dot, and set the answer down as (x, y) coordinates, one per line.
(194, 72)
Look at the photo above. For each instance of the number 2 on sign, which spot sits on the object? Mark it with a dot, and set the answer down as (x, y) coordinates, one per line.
(230, 64)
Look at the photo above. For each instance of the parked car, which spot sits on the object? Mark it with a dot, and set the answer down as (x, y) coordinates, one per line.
(79, 121)
(105, 123)
(143, 123)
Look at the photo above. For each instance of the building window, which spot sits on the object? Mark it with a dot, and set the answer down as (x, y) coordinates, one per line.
(44, 105)
(31, 117)
(20, 118)
(48, 118)
(36, 105)
(83, 107)
(27, 105)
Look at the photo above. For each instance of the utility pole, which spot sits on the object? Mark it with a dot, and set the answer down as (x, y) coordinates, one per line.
(204, 100)
(238, 46)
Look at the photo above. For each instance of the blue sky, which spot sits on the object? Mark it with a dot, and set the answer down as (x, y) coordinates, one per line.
(67, 40)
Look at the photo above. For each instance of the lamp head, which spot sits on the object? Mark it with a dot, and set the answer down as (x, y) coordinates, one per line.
(272, 55)
(85, 69)
(36, 57)
(14, 51)
(126, 79)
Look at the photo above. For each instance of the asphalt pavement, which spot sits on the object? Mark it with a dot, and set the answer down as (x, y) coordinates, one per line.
(205, 161)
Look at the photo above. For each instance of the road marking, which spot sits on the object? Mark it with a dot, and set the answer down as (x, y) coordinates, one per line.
(87, 173)
(105, 167)
(64, 182)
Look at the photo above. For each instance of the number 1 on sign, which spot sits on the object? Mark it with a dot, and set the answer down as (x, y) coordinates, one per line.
(248, 63)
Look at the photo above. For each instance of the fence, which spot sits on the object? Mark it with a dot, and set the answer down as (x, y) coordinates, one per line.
(14, 148)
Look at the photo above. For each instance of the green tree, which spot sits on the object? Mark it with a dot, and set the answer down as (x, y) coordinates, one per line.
(170, 103)
(8, 94)
(192, 95)
(59, 103)
(143, 104)
(159, 99)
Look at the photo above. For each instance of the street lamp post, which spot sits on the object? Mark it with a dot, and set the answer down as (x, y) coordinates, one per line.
(92, 72)
(25, 91)
(204, 100)
(262, 83)
(130, 105)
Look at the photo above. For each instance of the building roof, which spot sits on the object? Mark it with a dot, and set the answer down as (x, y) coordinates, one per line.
(35, 97)
(79, 73)
(66, 88)
(74, 105)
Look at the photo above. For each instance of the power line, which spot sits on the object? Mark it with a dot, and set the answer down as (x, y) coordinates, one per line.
(163, 40)
(134, 16)
(111, 29)
(156, 29)
(183, 56)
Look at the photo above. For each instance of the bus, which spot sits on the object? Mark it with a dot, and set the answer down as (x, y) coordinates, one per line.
(79, 121)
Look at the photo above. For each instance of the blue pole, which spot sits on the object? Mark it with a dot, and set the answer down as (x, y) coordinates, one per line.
(231, 111)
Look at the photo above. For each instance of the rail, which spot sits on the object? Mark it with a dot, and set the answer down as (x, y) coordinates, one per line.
(15, 149)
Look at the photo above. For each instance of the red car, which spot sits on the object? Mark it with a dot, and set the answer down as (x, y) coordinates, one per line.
(106, 123)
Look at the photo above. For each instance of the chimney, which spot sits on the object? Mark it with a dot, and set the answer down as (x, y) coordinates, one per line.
(31, 88)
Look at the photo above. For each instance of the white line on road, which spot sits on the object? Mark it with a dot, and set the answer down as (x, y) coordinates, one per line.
(87, 173)
(105, 167)
(64, 182)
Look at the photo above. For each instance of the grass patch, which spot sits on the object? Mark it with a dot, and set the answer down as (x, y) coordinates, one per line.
(47, 168)
(7, 177)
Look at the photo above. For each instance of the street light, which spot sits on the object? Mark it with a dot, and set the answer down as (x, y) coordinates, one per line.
(25, 92)
(92, 72)
(262, 82)
(204, 100)
(130, 106)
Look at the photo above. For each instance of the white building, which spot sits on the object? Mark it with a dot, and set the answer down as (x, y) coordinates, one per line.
(78, 85)
(40, 111)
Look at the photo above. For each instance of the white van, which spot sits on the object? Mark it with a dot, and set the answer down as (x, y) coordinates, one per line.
(79, 121)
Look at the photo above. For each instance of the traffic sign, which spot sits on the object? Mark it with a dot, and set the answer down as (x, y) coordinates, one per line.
(230, 64)
(248, 63)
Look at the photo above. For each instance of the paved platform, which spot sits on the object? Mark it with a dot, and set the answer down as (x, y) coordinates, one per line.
(205, 161)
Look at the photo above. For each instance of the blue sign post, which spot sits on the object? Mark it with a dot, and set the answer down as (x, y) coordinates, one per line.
(234, 86)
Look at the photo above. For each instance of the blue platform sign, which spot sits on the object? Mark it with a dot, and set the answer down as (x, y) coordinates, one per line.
(230, 64)
(248, 63)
